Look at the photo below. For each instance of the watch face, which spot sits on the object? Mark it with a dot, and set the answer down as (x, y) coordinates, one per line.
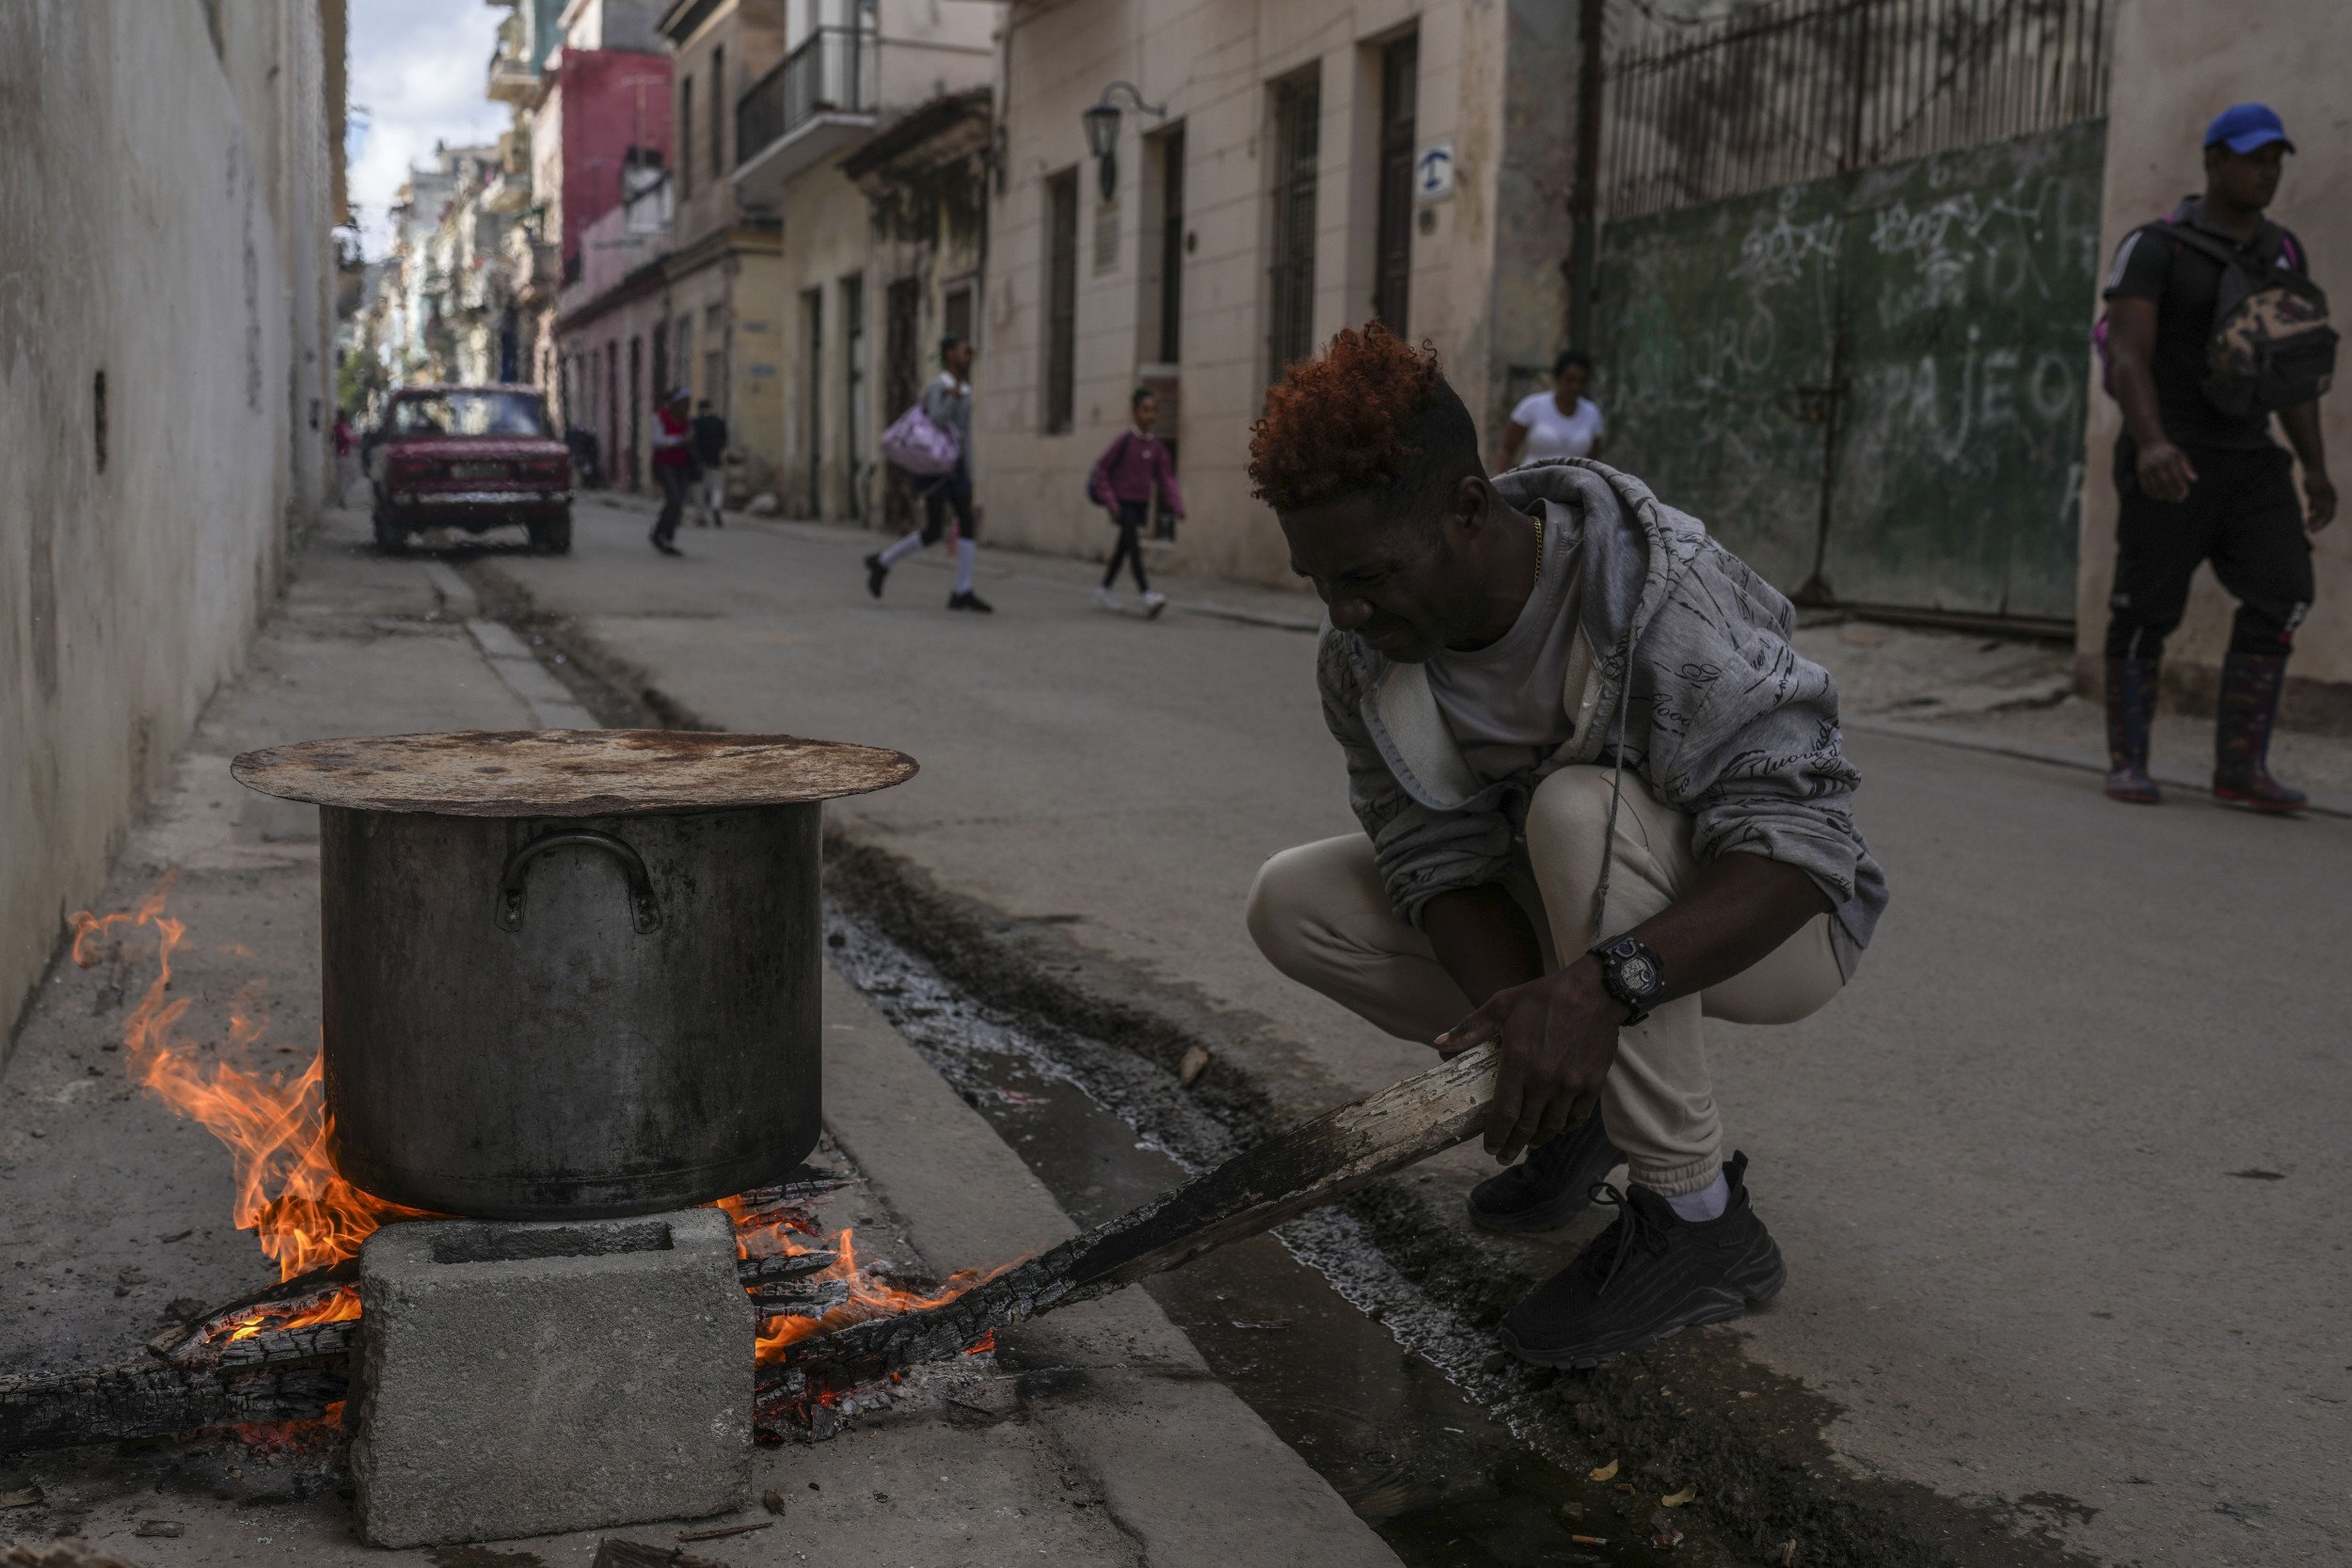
(1637, 975)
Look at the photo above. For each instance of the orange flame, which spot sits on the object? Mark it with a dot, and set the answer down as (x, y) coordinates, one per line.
(274, 1125)
(869, 1297)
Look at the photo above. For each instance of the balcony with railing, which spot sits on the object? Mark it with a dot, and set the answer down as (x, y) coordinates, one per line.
(823, 99)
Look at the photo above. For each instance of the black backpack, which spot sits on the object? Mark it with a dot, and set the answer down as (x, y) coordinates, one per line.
(2271, 346)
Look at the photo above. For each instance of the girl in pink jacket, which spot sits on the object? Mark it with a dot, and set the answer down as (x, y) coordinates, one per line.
(1129, 471)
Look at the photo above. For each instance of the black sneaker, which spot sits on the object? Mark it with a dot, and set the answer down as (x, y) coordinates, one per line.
(664, 545)
(875, 572)
(969, 600)
(1650, 1274)
(1550, 1186)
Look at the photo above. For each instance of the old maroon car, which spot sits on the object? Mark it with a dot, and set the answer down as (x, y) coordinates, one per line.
(470, 457)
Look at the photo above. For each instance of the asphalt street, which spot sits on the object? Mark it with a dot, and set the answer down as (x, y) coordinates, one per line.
(2055, 1177)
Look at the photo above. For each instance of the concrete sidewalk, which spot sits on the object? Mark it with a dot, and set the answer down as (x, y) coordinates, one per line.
(1111, 1443)
(2046, 1291)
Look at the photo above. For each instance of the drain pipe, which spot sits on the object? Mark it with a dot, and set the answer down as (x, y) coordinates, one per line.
(1584, 195)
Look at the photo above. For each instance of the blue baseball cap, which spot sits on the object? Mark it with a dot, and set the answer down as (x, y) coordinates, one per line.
(2242, 127)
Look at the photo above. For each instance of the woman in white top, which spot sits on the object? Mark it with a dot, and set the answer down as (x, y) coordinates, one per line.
(1563, 422)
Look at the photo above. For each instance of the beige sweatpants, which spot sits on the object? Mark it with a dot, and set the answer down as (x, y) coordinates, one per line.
(1321, 917)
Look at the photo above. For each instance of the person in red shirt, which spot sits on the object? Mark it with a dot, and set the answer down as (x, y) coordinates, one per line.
(1130, 472)
(673, 465)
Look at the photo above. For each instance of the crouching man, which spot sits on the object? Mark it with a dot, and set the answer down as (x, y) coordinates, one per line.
(1601, 798)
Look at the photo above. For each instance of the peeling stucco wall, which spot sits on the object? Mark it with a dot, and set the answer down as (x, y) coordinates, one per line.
(165, 215)
(1496, 77)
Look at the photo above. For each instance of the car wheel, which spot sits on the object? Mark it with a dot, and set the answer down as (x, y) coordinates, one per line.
(389, 538)
(553, 537)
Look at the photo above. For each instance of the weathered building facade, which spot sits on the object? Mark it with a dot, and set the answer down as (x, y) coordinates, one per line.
(926, 186)
(170, 177)
(850, 70)
(1297, 168)
(612, 334)
(725, 266)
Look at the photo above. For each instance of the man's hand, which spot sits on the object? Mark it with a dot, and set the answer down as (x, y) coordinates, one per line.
(1559, 1035)
(2166, 472)
(2320, 491)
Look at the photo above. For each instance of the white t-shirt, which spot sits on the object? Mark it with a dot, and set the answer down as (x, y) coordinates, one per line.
(1552, 433)
(1508, 704)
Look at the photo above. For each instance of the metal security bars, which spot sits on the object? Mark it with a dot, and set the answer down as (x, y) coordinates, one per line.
(1291, 277)
(1787, 90)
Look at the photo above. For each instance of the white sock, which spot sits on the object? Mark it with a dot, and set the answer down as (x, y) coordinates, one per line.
(908, 544)
(1707, 1203)
(966, 550)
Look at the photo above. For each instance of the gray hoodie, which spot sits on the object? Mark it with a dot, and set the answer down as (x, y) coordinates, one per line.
(1720, 715)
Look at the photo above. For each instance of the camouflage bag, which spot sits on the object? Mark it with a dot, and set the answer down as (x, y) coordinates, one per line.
(2271, 346)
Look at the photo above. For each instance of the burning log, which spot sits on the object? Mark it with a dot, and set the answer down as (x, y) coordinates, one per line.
(1308, 1166)
(317, 1296)
(275, 1375)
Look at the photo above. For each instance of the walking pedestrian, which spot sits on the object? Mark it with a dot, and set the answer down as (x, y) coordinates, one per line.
(1563, 422)
(947, 403)
(673, 466)
(1600, 799)
(1132, 471)
(346, 444)
(2198, 476)
(711, 451)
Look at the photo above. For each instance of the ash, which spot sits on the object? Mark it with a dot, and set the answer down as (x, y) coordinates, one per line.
(969, 1045)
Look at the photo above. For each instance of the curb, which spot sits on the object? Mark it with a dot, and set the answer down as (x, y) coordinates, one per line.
(1972, 740)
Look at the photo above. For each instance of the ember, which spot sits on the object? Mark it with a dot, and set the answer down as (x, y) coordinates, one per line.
(867, 1295)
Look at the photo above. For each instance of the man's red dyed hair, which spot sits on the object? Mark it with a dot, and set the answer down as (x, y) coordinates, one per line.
(1361, 415)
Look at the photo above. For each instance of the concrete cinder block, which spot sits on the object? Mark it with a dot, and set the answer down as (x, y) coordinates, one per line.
(524, 1379)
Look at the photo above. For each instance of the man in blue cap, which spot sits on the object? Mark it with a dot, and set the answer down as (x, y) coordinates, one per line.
(2199, 482)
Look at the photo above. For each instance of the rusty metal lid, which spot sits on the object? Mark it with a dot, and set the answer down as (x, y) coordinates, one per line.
(568, 772)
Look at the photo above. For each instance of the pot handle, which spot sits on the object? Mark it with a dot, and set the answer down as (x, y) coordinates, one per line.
(644, 909)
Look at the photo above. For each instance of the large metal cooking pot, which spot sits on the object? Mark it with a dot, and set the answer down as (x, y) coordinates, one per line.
(571, 973)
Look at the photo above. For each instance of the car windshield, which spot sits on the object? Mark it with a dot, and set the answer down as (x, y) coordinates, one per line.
(470, 414)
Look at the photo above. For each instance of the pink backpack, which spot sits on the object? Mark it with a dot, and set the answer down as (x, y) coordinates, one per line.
(913, 443)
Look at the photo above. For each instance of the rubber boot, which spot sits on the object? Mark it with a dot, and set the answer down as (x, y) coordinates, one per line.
(2250, 684)
(2131, 704)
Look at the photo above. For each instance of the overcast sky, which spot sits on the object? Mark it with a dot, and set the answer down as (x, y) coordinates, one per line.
(418, 67)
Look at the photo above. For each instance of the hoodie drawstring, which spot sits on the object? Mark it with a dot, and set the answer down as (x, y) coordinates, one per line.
(1617, 789)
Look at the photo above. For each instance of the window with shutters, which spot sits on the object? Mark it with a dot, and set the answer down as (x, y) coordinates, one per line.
(1061, 301)
(1400, 76)
(1291, 293)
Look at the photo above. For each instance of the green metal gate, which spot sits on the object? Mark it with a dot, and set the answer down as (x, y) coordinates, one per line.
(1870, 383)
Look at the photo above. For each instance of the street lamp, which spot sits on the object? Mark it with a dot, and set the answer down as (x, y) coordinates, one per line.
(1100, 120)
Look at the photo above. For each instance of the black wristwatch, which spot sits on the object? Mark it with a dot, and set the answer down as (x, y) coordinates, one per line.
(1634, 975)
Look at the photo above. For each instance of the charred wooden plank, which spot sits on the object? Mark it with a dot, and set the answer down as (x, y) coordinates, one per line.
(199, 1341)
(279, 1376)
(753, 1271)
(1289, 1174)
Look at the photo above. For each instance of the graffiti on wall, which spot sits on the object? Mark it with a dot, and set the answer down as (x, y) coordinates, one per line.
(1871, 385)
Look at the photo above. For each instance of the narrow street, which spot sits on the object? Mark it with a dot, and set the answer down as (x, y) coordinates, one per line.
(2046, 1197)
(550, 1028)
